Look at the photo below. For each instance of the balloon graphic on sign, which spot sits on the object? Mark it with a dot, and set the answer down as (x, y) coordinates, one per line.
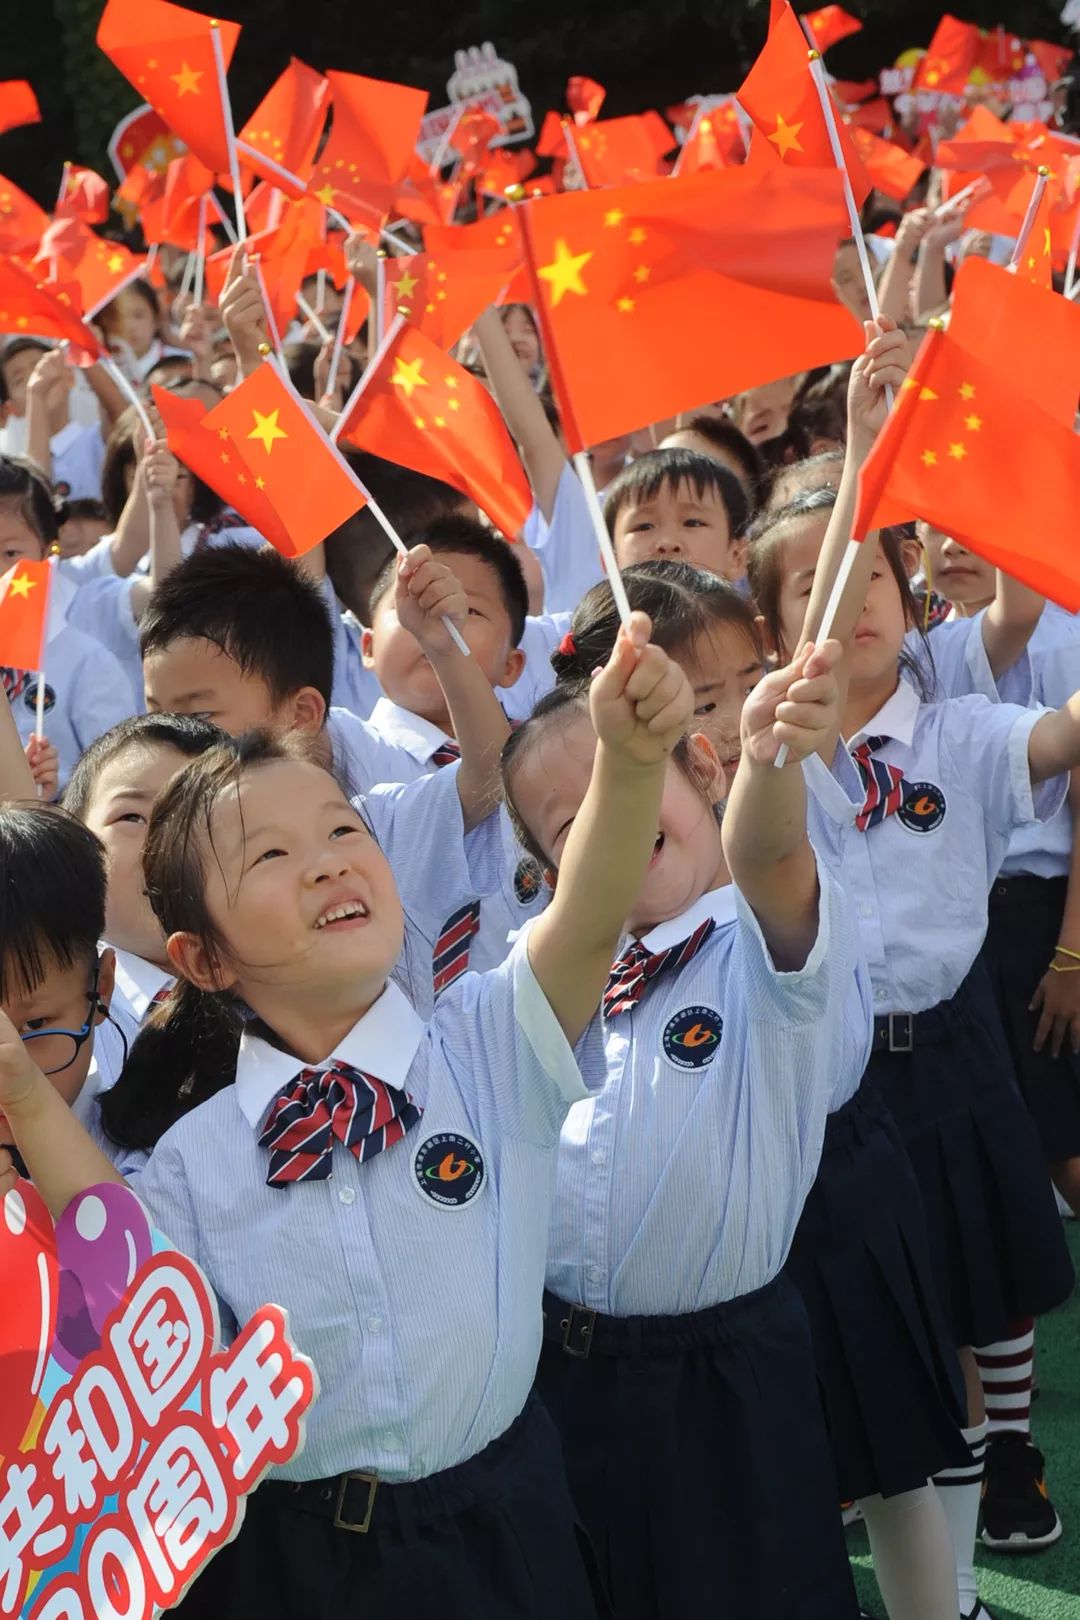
(28, 1268)
(101, 1241)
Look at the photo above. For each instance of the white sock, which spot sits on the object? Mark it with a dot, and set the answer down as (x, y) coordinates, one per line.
(959, 1490)
(913, 1554)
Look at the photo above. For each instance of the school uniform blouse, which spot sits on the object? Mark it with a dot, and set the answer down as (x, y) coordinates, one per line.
(566, 546)
(421, 1312)
(680, 1180)
(919, 880)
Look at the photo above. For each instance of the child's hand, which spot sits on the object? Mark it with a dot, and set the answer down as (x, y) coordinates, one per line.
(428, 592)
(197, 334)
(883, 363)
(641, 702)
(44, 763)
(336, 400)
(361, 261)
(911, 230)
(19, 1074)
(160, 469)
(52, 372)
(242, 311)
(797, 708)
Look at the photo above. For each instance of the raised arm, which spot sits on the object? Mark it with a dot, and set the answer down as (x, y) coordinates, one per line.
(541, 453)
(764, 830)
(641, 704)
(894, 289)
(1009, 622)
(159, 470)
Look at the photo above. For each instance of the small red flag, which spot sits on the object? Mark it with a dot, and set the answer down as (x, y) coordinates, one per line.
(955, 451)
(424, 411)
(443, 294)
(950, 57)
(831, 24)
(892, 170)
(1033, 335)
(18, 105)
(46, 309)
(286, 126)
(98, 268)
(167, 53)
(24, 614)
(1035, 263)
(84, 195)
(21, 219)
(374, 132)
(584, 97)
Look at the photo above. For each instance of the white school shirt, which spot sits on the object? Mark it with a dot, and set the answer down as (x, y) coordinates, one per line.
(566, 547)
(355, 688)
(919, 880)
(542, 635)
(681, 1179)
(497, 863)
(1045, 849)
(952, 660)
(137, 983)
(422, 1317)
(86, 691)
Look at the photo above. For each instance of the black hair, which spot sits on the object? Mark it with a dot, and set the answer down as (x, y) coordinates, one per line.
(730, 440)
(162, 370)
(253, 605)
(23, 489)
(142, 289)
(185, 733)
(667, 469)
(85, 506)
(683, 603)
(832, 459)
(766, 574)
(52, 897)
(8, 351)
(470, 538)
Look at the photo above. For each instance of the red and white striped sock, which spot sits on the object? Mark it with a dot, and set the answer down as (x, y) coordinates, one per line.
(1005, 1370)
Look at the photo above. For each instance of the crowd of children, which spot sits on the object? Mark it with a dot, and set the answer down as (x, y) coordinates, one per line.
(742, 1103)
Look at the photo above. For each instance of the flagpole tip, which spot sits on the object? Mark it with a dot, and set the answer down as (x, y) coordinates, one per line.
(514, 193)
(264, 349)
(404, 311)
(936, 324)
(813, 56)
(56, 549)
(381, 253)
(1044, 172)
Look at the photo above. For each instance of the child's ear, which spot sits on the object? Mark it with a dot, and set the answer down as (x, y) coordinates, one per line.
(766, 637)
(912, 553)
(367, 648)
(106, 982)
(736, 560)
(706, 761)
(513, 667)
(308, 710)
(193, 962)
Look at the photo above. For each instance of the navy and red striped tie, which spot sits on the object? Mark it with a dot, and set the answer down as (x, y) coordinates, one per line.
(452, 947)
(638, 967)
(364, 1114)
(15, 682)
(447, 753)
(884, 784)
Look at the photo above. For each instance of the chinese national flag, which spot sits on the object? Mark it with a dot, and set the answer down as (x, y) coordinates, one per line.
(584, 97)
(187, 182)
(701, 149)
(780, 97)
(955, 451)
(286, 126)
(1001, 56)
(422, 410)
(97, 267)
(263, 452)
(18, 105)
(167, 53)
(892, 170)
(497, 236)
(443, 295)
(1033, 335)
(375, 129)
(24, 613)
(85, 196)
(1035, 261)
(46, 309)
(831, 24)
(659, 298)
(950, 57)
(1052, 59)
(21, 219)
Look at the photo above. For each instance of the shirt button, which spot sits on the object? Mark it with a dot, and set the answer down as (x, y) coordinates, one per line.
(880, 996)
(347, 1195)
(595, 1273)
(391, 1440)
(599, 1156)
(374, 1324)
(866, 911)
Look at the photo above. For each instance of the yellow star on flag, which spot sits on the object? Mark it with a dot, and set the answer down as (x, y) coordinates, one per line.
(564, 273)
(22, 585)
(266, 429)
(958, 451)
(405, 285)
(966, 391)
(613, 217)
(187, 80)
(326, 195)
(642, 273)
(973, 423)
(785, 137)
(929, 458)
(637, 236)
(624, 305)
(116, 263)
(408, 375)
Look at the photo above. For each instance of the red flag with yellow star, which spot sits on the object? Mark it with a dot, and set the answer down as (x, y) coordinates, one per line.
(1032, 334)
(659, 298)
(24, 613)
(831, 24)
(955, 451)
(45, 309)
(780, 97)
(167, 53)
(100, 269)
(18, 105)
(892, 170)
(374, 133)
(286, 126)
(443, 294)
(1035, 263)
(22, 220)
(422, 410)
(950, 57)
(84, 195)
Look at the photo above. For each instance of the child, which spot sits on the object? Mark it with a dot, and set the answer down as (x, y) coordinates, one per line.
(274, 896)
(677, 1360)
(678, 504)
(132, 323)
(946, 784)
(707, 434)
(86, 690)
(68, 454)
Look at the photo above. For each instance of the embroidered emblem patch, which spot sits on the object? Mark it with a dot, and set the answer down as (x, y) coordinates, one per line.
(690, 1039)
(449, 1169)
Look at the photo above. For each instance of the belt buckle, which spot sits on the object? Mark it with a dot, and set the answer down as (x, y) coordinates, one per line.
(340, 1523)
(907, 1042)
(577, 1336)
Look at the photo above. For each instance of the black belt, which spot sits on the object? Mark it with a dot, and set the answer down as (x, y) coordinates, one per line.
(580, 1331)
(902, 1032)
(362, 1502)
(1026, 885)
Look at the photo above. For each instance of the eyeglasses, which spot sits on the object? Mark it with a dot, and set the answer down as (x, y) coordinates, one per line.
(54, 1050)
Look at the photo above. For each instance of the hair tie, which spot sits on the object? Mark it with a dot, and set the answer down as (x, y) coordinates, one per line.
(568, 646)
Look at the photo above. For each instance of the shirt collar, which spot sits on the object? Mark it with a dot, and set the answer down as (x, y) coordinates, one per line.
(383, 1043)
(896, 718)
(139, 981)
(718, 904)
(407, 730)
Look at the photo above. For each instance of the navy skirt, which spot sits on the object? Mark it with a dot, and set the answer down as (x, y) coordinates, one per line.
(1025, 920)
(494, 1537)
(995, 1234)
(890, 1378)
(698, 1459)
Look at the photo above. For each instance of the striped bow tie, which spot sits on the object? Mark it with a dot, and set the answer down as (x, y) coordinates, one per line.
(162, 995)
(451, 958)
(363, 1113)
(884, 784)
(15, 682)
(446, 754)
(638, 967)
